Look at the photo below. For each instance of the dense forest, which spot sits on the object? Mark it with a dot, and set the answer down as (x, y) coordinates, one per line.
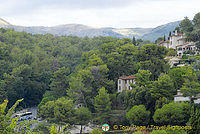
(57, 73)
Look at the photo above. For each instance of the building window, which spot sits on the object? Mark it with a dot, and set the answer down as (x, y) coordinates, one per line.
(119, 81)
(119, 87)
(179, 48)
(125, 81)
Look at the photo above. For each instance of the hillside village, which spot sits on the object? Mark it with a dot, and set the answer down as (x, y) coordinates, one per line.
(179, 42)
(52, 84)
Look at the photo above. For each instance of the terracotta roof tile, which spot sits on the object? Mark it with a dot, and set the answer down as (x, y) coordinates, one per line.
(127, 77)
(182, 38)
(180, 34)
(164, 42)
(183, 44)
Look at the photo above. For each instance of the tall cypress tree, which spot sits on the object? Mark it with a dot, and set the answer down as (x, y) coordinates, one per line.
(170, 34)
(134, 41)
(164, 38)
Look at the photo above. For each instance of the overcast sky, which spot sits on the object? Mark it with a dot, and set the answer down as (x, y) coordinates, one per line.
(97, 13)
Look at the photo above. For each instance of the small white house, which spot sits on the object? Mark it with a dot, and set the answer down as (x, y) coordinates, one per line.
(180, 98)
(124, 83)
(197, 99)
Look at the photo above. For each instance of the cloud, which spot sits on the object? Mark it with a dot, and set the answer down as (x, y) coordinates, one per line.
(68, 4)
(89, 4)
(97, 13)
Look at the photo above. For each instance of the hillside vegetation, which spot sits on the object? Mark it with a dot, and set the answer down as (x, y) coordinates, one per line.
(59, 73)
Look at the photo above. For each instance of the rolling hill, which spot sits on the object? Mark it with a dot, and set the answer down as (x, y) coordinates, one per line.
(82, 30)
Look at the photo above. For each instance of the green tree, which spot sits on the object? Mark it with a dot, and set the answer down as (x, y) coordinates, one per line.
(138, 115)
(151, 57)
(61, 111)
(21, 83)
(83, 116)
(163, 87)
(161, 102)
(172, 52)
(54, 129)
(96, 131)
(126, 99)
(46, 111)
(134, 41)
(59, 83)
(186, 26)
(170, 34)
(190, 88)
(195, 34)
(121, 61)
(179, 74)
(77, 90)
(194, 121)
(196, 20)
(102, 105)
(159, 40)
(9, 125)
(172, 114)
(139, 42)
(33, 64)
(3, 95)
(143, 77)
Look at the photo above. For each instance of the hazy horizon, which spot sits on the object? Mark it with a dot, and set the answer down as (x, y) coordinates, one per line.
(88, 25)
(104, 13)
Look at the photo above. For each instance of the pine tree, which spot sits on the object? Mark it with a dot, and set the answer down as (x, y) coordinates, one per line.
(134, 41)
(102, 105)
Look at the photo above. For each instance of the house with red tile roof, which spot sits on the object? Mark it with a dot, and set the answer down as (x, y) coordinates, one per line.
(164, 43)
(124, 82)
(179, 42)
(174, 40)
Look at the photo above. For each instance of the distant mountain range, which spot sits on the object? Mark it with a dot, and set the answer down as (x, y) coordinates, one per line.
(82, 30)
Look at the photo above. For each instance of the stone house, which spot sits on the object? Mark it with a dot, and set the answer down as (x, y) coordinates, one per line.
(124, 83)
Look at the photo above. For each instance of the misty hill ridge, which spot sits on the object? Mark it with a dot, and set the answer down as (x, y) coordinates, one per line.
(82, 30)
(4, 23)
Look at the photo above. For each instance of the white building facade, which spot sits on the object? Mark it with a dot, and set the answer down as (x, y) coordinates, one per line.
(124, 83)
(187, 47)
(179, 42)
(179, 98)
